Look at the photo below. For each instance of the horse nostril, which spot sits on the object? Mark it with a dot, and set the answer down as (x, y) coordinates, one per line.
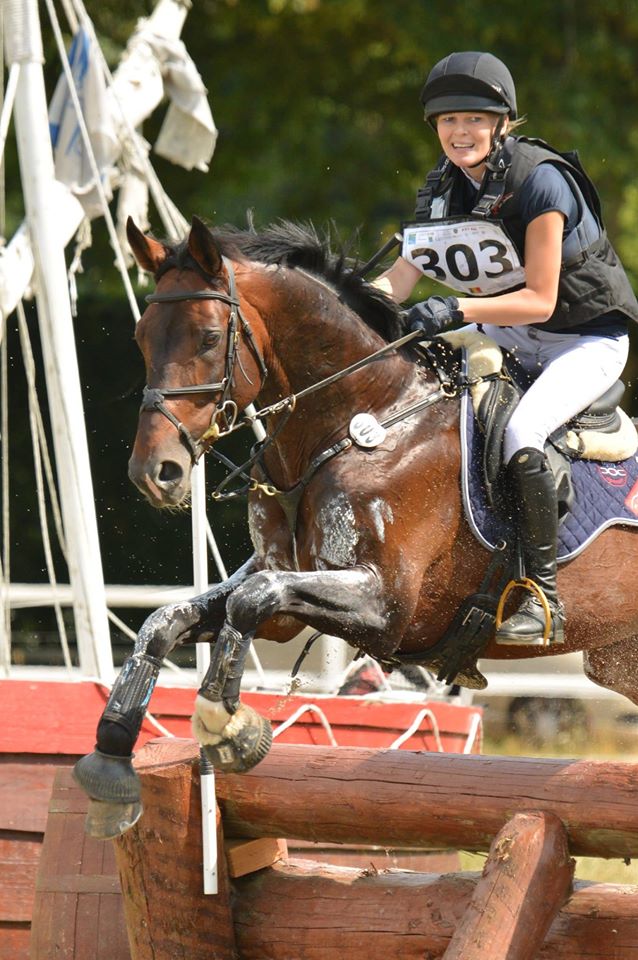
(169, 472)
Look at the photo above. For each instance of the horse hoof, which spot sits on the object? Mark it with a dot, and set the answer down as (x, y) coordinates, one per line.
(246, 739)
(471, 678)
(106, 821)
(108, 778)
(468, 676)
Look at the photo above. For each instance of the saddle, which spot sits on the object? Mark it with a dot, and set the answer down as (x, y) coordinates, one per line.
(601, 432)
(496, 383)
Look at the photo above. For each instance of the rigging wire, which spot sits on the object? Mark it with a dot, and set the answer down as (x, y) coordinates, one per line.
(5, 560)
(176, 225)
(29, 367)
(86, 140)
(6, 98)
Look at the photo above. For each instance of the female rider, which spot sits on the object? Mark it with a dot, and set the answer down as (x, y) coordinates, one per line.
(515, 228)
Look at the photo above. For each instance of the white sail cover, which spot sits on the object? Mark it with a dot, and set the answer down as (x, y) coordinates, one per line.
(188, 134)
(71, 163)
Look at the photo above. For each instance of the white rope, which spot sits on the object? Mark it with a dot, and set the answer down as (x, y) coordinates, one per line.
(83, 240)
(299, 712)
(47, 464)
(86, 140)
(173, 221)
(29, 367)
(69, 13)
(414, 726)
(7, 106)
(5, 561)
(6, 99)
(474, 733)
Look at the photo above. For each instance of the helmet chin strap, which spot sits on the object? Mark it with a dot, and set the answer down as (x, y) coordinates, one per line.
(496, 142)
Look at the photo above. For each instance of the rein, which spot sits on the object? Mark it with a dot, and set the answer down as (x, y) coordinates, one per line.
(226, 411)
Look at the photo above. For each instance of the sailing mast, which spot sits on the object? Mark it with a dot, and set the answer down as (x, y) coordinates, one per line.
(24, 49)
(54, 215)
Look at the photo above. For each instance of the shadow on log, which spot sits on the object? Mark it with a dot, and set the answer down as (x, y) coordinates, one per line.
(310, 911)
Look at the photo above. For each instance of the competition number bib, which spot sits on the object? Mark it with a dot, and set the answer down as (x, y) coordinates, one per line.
(476, 257)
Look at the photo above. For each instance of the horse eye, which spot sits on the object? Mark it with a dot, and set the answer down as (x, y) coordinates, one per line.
(210, 339)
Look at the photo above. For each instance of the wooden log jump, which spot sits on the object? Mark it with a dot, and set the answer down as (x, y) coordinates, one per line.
(316, 911)
(527, 878)
(428, 800)
(530, 814)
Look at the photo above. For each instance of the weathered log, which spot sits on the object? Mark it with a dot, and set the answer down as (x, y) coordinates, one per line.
(160, 864)
(396, 798)
(526, 879)
(315, 911)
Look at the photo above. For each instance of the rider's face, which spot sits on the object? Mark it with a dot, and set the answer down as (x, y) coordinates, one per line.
(466, 138)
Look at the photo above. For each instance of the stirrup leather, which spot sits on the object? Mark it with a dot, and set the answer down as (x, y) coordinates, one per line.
(532, 587)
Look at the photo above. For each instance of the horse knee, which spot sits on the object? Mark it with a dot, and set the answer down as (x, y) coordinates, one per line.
(168, 627)
(256, 600)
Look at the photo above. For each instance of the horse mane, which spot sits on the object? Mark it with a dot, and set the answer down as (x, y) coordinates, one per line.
(290, 244)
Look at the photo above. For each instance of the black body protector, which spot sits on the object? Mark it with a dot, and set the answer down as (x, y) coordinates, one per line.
(482, 253)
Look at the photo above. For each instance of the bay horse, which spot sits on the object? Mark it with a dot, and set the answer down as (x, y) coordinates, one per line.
(366, 543)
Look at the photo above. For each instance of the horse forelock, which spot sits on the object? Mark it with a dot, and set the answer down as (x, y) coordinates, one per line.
(299, 245)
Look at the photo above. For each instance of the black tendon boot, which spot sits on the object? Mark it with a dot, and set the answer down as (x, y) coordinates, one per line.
(533, 488)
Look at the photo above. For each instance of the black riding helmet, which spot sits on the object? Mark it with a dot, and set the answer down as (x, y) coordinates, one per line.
(469, 81)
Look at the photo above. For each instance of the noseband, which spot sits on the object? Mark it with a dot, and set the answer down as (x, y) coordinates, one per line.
(225, 413)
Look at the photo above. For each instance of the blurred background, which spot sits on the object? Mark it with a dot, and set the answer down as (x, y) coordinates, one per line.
(317, 107)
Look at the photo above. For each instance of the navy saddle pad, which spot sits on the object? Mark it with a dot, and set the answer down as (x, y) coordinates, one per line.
(605, 494)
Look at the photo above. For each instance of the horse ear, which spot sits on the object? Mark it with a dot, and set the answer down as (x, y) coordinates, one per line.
(203, 248)
(149, 253)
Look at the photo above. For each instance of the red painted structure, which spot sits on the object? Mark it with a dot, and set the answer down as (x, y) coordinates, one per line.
(46, 725)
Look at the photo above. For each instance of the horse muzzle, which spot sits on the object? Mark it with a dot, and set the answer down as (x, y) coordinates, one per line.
(165, 482)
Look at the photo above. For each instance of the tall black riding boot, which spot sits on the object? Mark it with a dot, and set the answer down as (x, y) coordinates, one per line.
(534, 490)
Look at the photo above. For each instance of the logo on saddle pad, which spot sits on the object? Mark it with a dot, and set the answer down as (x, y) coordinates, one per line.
(615, 476)
(631, 500)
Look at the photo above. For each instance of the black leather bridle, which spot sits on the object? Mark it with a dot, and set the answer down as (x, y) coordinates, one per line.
(225, 413)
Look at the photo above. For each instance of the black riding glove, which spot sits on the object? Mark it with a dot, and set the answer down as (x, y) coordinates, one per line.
(433, 315)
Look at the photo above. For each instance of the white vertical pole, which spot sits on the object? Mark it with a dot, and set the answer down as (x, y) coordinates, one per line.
(202, 652)
(24, 46)
(200, 578)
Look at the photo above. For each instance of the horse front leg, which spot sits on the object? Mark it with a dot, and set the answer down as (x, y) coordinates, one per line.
(346, 603)
(107, 774)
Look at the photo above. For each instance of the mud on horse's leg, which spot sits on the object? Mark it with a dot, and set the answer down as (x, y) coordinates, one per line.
(244, 736)
(107, 774)
(345, 603)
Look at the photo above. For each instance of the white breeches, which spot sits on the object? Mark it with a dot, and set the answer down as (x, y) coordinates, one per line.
(573, 371)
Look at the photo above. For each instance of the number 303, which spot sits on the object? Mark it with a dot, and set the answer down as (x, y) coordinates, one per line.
(461, 260)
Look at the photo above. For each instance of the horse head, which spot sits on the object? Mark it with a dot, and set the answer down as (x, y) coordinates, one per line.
(203, 362)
